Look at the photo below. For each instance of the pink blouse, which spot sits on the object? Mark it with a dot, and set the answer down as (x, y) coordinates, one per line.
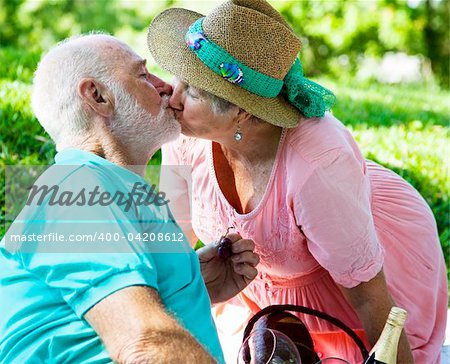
(327, 217)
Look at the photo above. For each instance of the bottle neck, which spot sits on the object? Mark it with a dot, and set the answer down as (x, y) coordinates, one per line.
(386, 347)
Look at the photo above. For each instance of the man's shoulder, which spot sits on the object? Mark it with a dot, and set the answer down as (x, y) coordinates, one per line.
(87, 175)
(79, 190)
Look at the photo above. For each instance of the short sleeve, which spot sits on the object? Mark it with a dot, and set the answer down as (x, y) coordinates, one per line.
(334, 212)
(89, 267)
(83, 278)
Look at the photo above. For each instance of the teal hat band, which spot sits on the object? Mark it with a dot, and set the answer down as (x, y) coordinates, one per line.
(225, 65)
(311, 99)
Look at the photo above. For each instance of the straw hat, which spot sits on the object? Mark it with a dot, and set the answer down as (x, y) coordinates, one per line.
(252, 32)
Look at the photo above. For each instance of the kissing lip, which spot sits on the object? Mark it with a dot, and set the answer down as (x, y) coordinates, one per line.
(165, 105)
(176, 114)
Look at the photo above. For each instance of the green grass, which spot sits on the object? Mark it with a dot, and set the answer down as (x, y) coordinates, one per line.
(407, 130)
(403, 128)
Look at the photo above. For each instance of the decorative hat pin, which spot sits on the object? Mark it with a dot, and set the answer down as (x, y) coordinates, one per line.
(231, 73)
(194, 39)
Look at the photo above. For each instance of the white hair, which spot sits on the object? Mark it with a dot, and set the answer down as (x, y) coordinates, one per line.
(221, 106)
(217, 104)
(54, 99)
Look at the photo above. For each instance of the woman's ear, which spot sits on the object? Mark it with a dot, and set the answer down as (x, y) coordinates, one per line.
(243, 116)
(96, 96)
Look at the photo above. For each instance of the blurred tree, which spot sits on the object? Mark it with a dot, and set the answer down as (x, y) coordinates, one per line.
(437, 42)
(336, 35)
(10, 24)
(38, 24)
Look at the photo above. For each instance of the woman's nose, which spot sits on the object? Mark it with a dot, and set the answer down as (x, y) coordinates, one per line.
(175, 101)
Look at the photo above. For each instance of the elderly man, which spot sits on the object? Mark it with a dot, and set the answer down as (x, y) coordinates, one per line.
(104, 110)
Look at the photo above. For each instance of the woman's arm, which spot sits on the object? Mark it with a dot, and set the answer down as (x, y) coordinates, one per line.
(372, 303)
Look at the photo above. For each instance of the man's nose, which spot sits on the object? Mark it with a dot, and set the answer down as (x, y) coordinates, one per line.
(160, 86)
(165, 89)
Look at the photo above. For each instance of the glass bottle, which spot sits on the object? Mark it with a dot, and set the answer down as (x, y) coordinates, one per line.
(385, 349)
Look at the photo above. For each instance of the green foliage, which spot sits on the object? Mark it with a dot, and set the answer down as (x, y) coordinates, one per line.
(31, 24)
(17, 65)
(199, 244)
(36, 25)
(404, 128)
(22, 136)
(338, 35)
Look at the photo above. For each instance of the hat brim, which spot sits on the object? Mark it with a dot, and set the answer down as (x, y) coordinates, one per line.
(167, 45)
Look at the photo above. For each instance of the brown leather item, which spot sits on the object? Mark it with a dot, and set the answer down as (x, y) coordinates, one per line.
(277, 317)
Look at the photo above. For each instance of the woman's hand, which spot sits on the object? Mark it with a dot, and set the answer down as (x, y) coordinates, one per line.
(226, 277)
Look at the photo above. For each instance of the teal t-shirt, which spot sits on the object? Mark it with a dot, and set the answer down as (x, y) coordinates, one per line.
(104, 245)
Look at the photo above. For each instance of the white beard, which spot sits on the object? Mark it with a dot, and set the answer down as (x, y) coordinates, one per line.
(165, 126)
(140, 132)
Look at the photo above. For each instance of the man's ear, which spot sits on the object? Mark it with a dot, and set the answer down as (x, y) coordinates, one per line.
(96, 96)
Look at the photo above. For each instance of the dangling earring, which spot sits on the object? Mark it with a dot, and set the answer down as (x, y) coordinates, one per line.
(238, 134)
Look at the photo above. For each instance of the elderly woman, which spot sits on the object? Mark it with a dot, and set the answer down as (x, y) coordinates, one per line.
(334, 231)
